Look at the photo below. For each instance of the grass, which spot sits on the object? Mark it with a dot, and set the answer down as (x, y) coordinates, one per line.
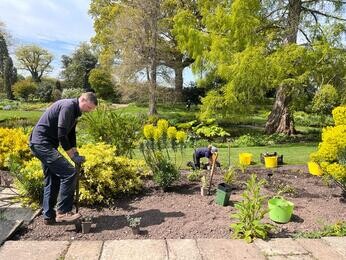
(32, 115)
(294, 154)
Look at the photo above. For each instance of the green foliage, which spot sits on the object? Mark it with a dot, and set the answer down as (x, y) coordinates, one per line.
(35, 60)
(25, 88)
(45, 89)
(71, 92)
(29, 180)
(313, 120)
(133, 222)
(210, 131)
(119, 129)
(325, 99)
(337, 230)
(76, 68)
(230, 176)
(250, 212)
(261, 140)
(195, 175)
(101, 81)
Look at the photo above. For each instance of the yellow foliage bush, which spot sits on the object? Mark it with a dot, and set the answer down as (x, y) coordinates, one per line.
(106, 176)
(13, 141)
(339, 115)
(331, 154)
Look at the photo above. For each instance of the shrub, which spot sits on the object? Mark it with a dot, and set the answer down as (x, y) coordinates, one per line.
(106, 176)
(29, 181)
(331, 154)
(325, 99)
(120, 130)
(250, 212)
(13, 142)
(156, 146)
(71, 92)
(24, 88)
(101, 81)
(44, 90)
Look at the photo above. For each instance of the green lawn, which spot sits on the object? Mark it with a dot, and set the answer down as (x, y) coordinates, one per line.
(20, 114)
(294, 154)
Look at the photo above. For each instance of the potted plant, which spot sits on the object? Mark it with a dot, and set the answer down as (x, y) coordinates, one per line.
(204, 186)
(86, 224)
(134, 224)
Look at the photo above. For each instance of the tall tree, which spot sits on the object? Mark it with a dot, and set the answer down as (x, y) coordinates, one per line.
(34, 59)
(8, 73)
(112, 24)
(76, 69)
(252, 45)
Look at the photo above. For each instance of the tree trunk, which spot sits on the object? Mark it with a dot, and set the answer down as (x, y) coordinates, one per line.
(178, 83)
(280, 119)
(153, 60)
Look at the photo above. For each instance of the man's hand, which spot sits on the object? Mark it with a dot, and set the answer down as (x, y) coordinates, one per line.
(77, 159)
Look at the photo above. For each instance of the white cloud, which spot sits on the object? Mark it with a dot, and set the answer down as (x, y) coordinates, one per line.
(58, 26)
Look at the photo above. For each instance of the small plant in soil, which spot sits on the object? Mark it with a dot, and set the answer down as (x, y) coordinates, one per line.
(250, 213)
(133, 222)
(338, 229)
(195, 175)
(229, 176)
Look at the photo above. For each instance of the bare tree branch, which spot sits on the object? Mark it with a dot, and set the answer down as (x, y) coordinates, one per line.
(324, 14)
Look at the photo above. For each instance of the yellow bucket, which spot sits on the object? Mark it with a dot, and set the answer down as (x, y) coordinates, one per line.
(315, 169)
(271, 161)
(245, 158)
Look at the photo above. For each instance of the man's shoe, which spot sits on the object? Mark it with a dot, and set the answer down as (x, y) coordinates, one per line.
(49, 221)
(67, 217)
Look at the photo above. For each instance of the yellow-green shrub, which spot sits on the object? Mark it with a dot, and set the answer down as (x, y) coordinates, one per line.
(29, 182)
(339, 115)
(13, 141)
(106, 176)
(331, 154)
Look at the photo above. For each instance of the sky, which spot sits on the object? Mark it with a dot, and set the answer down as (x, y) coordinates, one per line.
(56, 25)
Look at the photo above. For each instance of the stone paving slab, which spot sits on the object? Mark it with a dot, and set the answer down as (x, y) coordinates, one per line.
(228, 249)
(7, 227)
(291, 257)
(338, 243)
(183, 249)
(280, 246)
(320, 249)
(33, 250)
(134, 249)
(82, 250)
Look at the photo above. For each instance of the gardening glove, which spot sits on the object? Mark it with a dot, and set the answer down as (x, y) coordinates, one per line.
(77, 159)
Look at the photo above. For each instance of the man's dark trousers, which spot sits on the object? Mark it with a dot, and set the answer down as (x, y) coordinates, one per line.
(59, 179)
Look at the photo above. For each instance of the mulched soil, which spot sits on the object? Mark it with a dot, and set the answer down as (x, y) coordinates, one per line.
(182, 212)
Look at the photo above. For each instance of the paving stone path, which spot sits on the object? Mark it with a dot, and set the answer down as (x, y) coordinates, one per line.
(189, 249)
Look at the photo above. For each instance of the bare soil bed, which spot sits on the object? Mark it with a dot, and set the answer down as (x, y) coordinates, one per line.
(182, 212)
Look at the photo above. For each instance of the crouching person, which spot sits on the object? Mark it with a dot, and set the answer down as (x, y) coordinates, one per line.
(58, 126)
(202, 152)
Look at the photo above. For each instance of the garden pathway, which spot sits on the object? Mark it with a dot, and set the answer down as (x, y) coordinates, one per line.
(12, 215)
(213, 249)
